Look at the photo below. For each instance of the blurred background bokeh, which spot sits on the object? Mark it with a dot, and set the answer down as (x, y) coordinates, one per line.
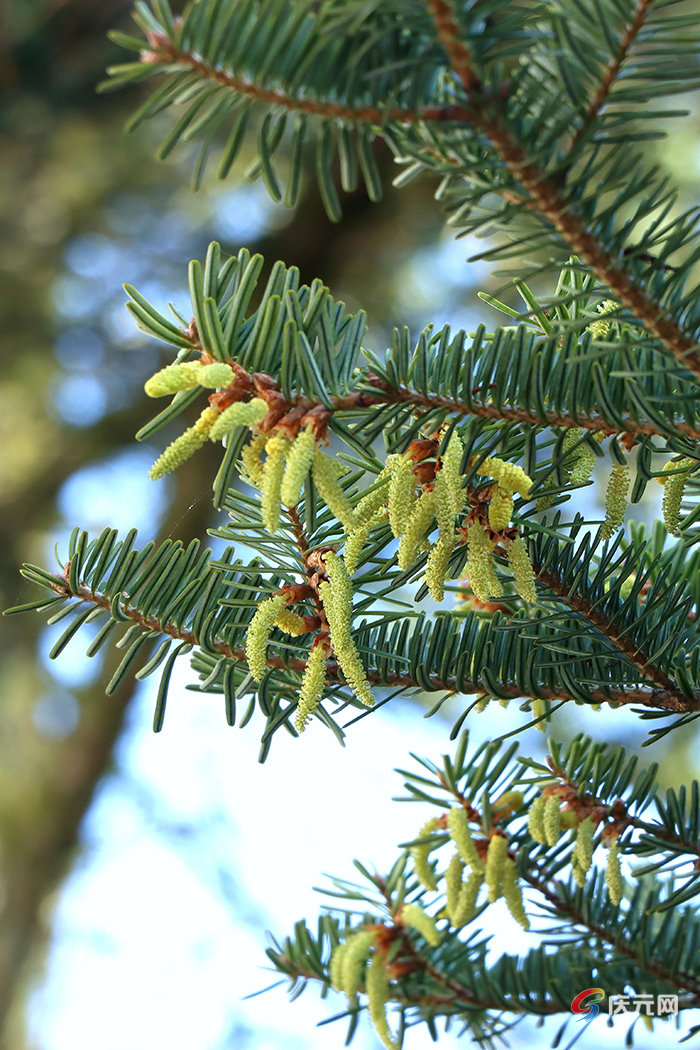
(138, 873)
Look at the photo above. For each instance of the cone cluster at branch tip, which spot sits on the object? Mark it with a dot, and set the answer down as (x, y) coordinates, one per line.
(283, 475)
(348, 971)
(213, 423)
(546, 821)
(498, 871)
(600, 328)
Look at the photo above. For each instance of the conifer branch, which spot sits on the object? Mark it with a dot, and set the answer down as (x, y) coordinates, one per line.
(376, 391)
(551, 204)
(613, 70)
(632, 652)
(661, 699)
(164, 52)
(631, 427)
(654, 966)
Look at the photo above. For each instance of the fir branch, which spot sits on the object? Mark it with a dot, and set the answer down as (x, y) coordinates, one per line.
(551, 204)
(652, 965)
(631, 427)
(660, 699)
(612, 71)
(633, 653)
(164, 52)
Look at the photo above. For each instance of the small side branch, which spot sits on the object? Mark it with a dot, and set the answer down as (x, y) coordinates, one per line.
(613, 70)
(553, 206)
(165, 53)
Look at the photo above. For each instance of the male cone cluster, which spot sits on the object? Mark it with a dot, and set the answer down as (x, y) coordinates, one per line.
(546, 822)
(348, 969)
(213, 423)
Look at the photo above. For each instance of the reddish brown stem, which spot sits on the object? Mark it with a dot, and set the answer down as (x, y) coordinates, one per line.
(653, 698)
(613, 69)
(166, 54)
(557, 209)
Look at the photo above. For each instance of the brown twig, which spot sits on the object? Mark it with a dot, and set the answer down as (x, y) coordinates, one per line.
(554, 207)
(164, 52)
(644, 697)
(280, 410)
(612, 71)
(676, 978)
(632, 652)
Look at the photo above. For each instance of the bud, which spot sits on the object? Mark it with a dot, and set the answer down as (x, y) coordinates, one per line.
(421, 866)
(585, 461)
(461, 836)
(552, 820)
(299, 459)
(583, 851)
(312, 686)
(509, 475)
(412, 915)
(513, 894)
(505, 805)
(451, 473)
(183, 447)
(271, 481)
(674, 487)
(500, 508)
(599, 329)
(239, 414)
(496, 858)
(578, 873)
(482, 577)
(535, 820)
(291, 623)
(521, 567)
(336, 596)
(258, 634)
(251, 464)
(571, 437)
(613, 874)
(615, 500)
(436, 571)
(402, 487)
(216, 375)
(453, 885)
(469, 894)
(357, 948)
(368, 506)
(335, 966)
(325, 473)
(377, 988)
(357, 539)
(173, 378)
(539, 711)
(417, 525)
